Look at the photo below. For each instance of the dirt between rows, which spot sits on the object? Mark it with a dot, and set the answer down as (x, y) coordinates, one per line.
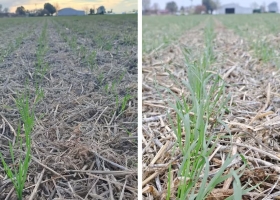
(81, 148)
(253, 116)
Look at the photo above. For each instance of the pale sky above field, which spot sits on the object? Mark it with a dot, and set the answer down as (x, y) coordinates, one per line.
(244, 3)
(118, 6)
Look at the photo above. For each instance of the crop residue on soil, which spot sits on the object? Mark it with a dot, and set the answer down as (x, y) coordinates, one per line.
(253, 116)
(84, 142)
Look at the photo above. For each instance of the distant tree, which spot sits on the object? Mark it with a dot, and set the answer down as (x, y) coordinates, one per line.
(86, 9)
(218, 3)
(263, 7)
(191, 5)
(254, 5)
(32, 13)
(1, 8)
(101, 10)
(91, 11)
(110, 11)
(50, 8)
(182, 9)
(20, 10)
(156, 7)
(171, 7)
(57, 6)
(146, 5)
(6, 10)
(43, 12)
(210, 5)
(199, 9)
(214, 6)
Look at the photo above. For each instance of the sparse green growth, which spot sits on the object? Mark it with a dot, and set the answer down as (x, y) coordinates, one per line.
(125, 101)
(161, 31)
(18, 174)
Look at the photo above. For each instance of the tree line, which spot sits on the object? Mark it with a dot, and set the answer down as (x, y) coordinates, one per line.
(48, 10)
(208, 6)
(3, 10)
(101, 10)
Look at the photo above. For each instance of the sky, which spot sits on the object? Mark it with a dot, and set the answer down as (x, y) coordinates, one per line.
(118, 6)
(244, 3)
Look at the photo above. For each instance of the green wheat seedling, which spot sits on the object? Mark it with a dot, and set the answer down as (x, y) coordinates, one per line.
(125, 101)
(263, 50)
(73, 43)
(92, 60)
(83, 53)
(99, 42)
(197, 145)
(208, 38)
(128, 133)
(64, 36)
(206, 101)
(12, 46)
(18, 172)
(100, 77)
(115, 82)
(19, 41)
(121, 105)
(41, 66)
(106, 88)
(117, 102)
(39, 95)
(160, 31)
(130, 39)
(111, 89)
(108, 46)
(120, 78)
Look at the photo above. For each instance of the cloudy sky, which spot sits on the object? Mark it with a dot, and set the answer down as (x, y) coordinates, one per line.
(118, 6)
(245, 3)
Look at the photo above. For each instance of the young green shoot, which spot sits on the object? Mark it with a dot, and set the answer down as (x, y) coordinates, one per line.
(206, 101)
(18, 174)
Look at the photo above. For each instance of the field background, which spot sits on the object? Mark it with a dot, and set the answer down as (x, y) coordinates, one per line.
(84, 141)
(243, 51)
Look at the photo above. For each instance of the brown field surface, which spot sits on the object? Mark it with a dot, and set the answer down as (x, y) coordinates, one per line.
(79, 76)
(211, 107)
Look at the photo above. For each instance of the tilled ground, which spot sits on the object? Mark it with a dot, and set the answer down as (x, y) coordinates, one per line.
(81, 148)
(253, 118)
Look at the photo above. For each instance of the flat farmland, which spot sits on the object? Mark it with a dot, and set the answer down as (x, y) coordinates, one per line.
(211, 107)
(68, 103)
